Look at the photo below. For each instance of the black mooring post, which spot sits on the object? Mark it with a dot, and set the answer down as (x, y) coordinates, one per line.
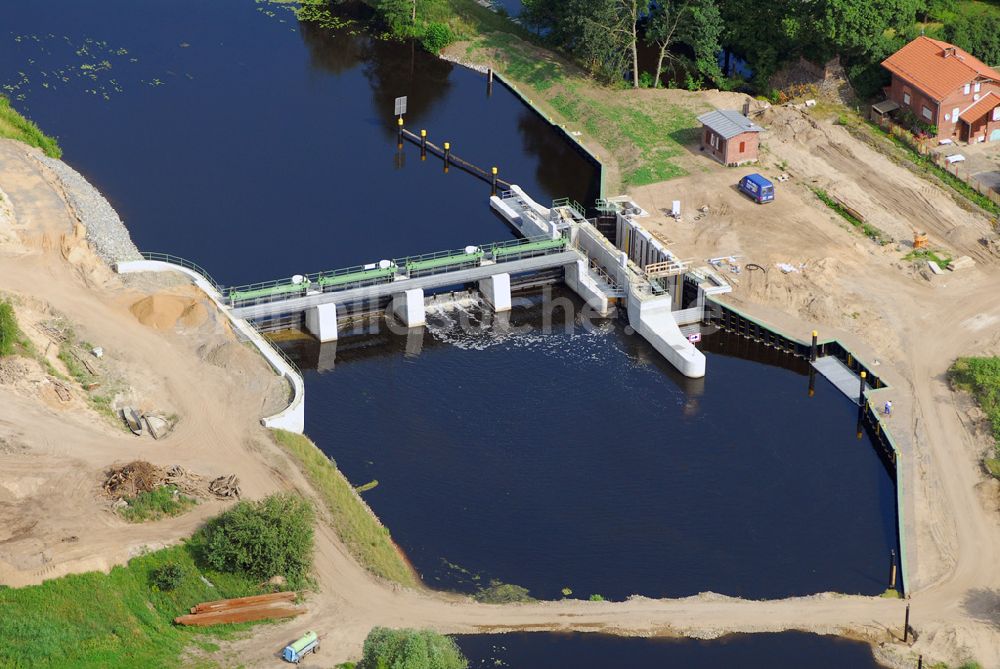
(920, 662)
(423, 145)
(861, 392)
(906, 624)
(489, 82)
(860, 428)
(812, 380)
(447, 154)
(494, 184)
(815, 346)
(892, 569)
(399, 124)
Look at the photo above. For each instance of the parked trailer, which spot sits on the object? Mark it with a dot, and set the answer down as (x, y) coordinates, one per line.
(759, 189)
(501, 253)
(307, 643)
(272, 291)
(368, 276)
(469, 258)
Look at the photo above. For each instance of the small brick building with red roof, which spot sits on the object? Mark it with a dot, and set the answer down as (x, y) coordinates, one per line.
(946, 87)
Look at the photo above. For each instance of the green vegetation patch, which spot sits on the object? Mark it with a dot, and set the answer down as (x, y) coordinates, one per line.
(981, 378)
(368, 540)
(163, 502)
(15, 126)
(410, 649)
(869, 231)
(503, 593)
(120, 619)
(12, 340)
(925, 254)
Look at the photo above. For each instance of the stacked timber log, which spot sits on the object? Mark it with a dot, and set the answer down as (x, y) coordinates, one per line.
(242, 609)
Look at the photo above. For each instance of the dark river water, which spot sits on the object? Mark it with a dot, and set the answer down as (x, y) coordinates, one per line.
(227, 133)
(596, 651)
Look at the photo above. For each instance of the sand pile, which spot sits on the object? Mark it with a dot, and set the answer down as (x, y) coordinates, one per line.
(164, 312)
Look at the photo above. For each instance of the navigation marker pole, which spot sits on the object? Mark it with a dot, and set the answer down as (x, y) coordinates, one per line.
(861, 393)
(447, 155)
(906, 625)
(494, 184)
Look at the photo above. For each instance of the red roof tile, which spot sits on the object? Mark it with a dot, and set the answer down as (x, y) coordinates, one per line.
(985, 104)
(936, 67)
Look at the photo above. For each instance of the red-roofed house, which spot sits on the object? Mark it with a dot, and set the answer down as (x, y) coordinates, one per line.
(946, 87)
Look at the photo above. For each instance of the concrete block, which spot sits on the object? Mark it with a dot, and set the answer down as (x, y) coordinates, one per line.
(408, 308)
(321, 322)
(496, 291)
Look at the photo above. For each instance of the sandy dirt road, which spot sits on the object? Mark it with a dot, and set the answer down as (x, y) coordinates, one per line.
(883, 308)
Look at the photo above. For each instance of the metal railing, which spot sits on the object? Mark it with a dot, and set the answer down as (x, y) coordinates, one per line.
(175, 260)
(310, 282)
(572, 204)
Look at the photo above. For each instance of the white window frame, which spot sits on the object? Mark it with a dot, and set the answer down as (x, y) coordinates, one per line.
(967, 87)
(906, 98)
(955, 113)
(996, 113)
(977, 87)
(927, 113)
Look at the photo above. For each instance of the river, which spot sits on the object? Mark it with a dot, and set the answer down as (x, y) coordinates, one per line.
(229, 134)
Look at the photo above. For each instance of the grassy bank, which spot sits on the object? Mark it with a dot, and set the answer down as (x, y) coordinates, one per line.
(15, 126)
(981, 378)
(368, 540)
(639, 136)
(116, 619)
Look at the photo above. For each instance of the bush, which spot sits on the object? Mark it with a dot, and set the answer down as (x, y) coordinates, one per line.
(167, 577)
(10, 334)
(271, 537)
(410, 649)
(436, 37)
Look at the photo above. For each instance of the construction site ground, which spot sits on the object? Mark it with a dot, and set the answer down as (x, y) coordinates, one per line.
(53, 453)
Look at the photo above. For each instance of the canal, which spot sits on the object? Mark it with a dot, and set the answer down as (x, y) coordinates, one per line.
(554, 457)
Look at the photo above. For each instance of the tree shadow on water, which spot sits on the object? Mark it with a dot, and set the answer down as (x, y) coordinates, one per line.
(983, 604)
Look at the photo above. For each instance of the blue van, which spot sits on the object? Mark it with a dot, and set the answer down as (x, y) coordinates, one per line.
(758, 188)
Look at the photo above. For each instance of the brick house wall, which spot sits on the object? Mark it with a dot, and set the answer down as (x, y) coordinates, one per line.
(736, 150)
(908, 96)
(982, 129)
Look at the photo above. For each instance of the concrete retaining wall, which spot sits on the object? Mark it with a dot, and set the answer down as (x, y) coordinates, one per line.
(292, 418)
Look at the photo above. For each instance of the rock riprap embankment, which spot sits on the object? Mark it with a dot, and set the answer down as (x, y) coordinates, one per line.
(105, 231)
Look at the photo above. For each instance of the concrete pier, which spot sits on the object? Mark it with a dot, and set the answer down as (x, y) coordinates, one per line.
(653, 319)
(321, 322)
(496, 291)
(408, 308)
(578, 279)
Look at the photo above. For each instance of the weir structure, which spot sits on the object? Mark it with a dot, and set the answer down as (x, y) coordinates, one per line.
(558, 243)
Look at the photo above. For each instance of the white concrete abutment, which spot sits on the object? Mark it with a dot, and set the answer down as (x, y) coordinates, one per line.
(408, 308)
(496, 292)
(321, 322)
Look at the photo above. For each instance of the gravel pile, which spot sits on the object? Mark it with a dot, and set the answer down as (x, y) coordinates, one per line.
(105, 231)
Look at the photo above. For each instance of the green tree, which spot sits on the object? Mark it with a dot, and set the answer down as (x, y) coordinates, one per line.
(399, 15)
(269, 537)
(410, 649)
(694, 23)
(979, 35)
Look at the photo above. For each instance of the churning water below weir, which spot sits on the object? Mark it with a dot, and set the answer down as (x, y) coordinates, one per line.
(228, 133)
